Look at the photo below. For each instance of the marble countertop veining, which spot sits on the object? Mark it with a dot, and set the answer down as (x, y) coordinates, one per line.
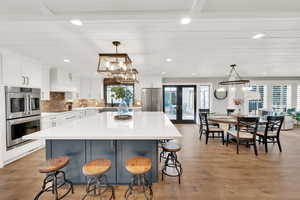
(103, 126)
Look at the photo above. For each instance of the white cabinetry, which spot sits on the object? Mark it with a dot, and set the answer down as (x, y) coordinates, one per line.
(20, 71)
(45, 94)
(91, 88)
(66, 117)
(48, 122)
(85, 89)
(62, 80)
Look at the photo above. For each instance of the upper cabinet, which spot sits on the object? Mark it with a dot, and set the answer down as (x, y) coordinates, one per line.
(45, 94)
(63, 81)
(20, 71)
(91, 88)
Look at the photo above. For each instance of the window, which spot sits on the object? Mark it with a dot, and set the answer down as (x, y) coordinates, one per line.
(108, 94)
(258, 104)
(204, 96)
(281, 97)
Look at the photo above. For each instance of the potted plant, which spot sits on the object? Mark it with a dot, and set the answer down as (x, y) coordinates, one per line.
(125, 95)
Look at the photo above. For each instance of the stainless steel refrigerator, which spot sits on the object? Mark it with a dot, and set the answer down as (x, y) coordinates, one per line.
(152, 99)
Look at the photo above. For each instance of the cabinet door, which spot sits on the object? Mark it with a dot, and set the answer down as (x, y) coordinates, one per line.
(95, 89)
(46, 123)
(130, 148)
(33, 72)
(45, 94)
(85, 89)
(12, 71)
(75, 149)
(69, 117)
(96, 149)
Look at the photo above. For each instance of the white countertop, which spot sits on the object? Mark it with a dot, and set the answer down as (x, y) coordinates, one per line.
(52, 114)
(103, 126)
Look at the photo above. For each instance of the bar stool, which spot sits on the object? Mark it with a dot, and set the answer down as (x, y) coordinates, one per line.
(171, 161)
(163, 154)
(139, 166)
(95, 170)
(55, 177)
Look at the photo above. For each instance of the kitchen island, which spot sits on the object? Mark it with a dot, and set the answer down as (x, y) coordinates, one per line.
(102, 136)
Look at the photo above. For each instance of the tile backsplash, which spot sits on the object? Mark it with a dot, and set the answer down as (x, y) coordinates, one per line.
(55, 104)
(58, 103)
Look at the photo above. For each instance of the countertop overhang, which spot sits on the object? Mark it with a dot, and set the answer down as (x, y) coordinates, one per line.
(103, 126)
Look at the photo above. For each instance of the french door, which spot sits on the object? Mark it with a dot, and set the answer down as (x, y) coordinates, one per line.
(179, 103)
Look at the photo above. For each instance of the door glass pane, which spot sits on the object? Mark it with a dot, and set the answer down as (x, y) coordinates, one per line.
(26, 128)
(17, 105)
(188, 103)
(170, 102)
(204, 97)
(35, 104)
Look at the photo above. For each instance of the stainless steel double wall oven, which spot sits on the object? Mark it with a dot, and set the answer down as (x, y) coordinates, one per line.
(23, 114)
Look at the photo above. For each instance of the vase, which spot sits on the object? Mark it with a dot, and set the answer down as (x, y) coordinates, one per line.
(123, 108)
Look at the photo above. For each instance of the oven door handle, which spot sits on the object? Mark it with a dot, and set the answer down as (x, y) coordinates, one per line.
(19, 121)
(26, 104)
(29, 104)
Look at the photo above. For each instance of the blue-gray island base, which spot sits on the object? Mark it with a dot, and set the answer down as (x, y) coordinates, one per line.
(118, 151)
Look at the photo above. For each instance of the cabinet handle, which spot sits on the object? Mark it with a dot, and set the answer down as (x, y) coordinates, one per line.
(27, 80)
(24, 80)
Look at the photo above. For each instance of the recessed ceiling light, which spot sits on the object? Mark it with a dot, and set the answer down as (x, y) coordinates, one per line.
(169, 59)
(76, 22)
(185, 20)
(163, 73)
(67, 60)
(258, 36)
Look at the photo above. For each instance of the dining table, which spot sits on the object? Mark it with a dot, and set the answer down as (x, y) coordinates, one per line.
(232, 119)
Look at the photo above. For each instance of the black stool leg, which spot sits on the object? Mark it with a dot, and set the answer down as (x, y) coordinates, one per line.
(53, 179)
(172, 162)
(139, 180)
(98, 182)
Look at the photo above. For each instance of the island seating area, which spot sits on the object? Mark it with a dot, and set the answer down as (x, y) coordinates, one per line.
(102, 136)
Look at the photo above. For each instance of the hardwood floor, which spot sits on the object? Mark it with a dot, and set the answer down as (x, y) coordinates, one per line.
(210, 172)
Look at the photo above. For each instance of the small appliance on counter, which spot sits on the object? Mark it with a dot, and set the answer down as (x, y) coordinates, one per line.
(23, 115)
(69, 105)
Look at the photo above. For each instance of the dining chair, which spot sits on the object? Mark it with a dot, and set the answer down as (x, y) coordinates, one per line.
(207, 129)
(271, 134)
(245, 132)
(207, 110)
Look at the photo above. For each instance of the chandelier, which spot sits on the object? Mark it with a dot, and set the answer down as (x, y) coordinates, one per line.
(117, 66)
(234, 78)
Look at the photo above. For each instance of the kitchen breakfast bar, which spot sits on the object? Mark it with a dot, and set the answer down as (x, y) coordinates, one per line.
(102, 136)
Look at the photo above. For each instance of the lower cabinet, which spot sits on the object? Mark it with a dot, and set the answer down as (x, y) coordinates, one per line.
(131, 148)
(96, 149)
(117, 151)
(74, 149)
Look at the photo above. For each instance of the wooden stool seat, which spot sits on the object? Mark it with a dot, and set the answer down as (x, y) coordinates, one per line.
(138, 165)
(54, 164)
(171, 147)
(96, 167)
